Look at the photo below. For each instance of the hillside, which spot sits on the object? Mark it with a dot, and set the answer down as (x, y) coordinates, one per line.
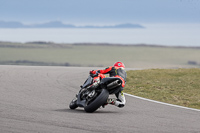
(59, 24)
(101, 55)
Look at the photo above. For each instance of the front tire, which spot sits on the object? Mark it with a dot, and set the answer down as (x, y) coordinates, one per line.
(73, 104)
(99, 101)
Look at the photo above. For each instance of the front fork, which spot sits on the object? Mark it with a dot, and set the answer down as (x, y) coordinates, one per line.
(84, 96)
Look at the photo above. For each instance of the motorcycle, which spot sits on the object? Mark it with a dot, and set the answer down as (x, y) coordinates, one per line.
(95, 92)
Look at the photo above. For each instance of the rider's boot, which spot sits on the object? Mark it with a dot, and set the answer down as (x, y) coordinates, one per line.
(109, 101)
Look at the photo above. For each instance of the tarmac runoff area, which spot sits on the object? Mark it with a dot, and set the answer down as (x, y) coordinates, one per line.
(36, 99)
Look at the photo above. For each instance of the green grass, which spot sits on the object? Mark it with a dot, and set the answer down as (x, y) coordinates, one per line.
(100, 55)
(175, 86)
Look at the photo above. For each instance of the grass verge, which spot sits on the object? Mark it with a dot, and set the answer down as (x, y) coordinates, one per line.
(174, 86)
(101, 55)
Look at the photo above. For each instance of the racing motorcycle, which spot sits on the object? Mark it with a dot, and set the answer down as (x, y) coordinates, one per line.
(95, 92)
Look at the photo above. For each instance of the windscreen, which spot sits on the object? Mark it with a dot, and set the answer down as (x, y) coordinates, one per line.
(88, 82)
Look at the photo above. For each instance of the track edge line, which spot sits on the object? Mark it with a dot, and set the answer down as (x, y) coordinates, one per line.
(168, 104)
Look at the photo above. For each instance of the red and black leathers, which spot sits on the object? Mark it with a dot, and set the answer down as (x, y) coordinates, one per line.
(114, 71)
(119, 72)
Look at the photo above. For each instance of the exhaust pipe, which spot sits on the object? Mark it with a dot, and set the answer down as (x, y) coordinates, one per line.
(114, 84)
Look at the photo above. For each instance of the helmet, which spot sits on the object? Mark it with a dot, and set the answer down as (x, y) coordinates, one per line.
(119, 64)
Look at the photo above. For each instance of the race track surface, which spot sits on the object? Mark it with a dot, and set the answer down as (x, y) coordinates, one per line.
(36, 99)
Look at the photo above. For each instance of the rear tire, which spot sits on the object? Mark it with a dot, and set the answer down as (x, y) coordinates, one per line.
(73, 104)
(99, 101)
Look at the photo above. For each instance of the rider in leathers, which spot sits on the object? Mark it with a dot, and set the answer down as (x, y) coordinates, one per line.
(118, 70)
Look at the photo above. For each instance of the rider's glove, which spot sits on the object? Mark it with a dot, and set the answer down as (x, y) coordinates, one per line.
(92, 72)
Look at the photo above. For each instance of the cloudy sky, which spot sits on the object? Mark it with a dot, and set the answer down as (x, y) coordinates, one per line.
(101, 11)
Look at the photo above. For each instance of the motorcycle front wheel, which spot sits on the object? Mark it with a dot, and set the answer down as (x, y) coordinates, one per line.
(96, 103)
(73, 104)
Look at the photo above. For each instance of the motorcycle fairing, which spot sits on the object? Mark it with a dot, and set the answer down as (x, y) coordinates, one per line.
(79, 102)
(87, 82)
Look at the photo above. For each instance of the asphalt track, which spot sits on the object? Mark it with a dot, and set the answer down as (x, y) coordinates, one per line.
(36, 99)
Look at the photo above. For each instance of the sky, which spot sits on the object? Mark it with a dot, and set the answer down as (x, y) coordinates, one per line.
(101, 11)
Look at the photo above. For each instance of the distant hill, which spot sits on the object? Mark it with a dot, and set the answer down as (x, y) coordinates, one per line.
(127, 25)
(53, 24)
(11, 24)
(58, 24)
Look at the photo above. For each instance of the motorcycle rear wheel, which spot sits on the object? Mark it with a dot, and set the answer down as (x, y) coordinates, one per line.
(99, 101)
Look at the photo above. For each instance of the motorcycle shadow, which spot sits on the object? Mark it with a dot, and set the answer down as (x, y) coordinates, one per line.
(82, 111)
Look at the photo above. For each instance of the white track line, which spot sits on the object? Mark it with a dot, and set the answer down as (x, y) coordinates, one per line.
(162, 102)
